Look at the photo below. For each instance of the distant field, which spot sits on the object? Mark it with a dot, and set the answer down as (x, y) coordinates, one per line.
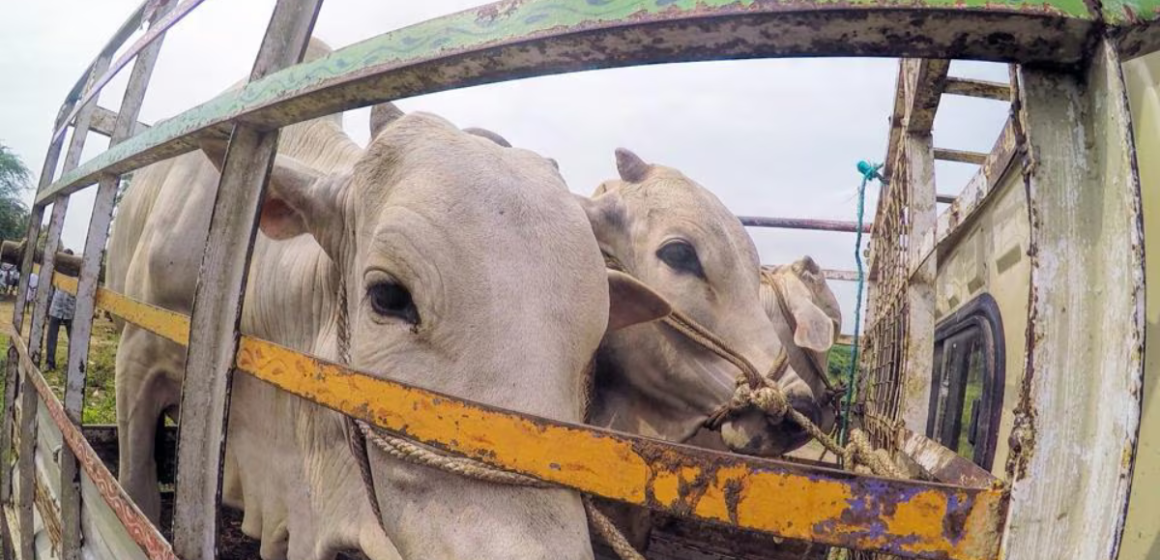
(100, 398)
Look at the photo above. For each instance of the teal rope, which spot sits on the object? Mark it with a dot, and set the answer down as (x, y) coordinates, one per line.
(868, 172)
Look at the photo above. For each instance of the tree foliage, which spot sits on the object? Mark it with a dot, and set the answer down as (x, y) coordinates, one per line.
(15, 181)
(839, 365)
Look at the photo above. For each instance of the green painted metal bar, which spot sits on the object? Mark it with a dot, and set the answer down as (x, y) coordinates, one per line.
(508, 40)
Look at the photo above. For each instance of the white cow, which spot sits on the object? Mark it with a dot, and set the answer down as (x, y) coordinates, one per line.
(677, 238)
(470, 272)
(680, 240)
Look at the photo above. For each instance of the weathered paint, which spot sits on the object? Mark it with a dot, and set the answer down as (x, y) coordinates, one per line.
(159, 321)
(953, 221)
(138, 526)
(900, 517)
(512, 40)
(1076, 422)
(1141, 540)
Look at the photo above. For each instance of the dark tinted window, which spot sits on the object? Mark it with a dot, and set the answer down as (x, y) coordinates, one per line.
(967, 394)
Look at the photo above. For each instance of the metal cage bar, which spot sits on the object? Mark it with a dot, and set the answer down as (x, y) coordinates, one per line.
(221, 286)
(904, 517)
(487, 44)
(101, 216)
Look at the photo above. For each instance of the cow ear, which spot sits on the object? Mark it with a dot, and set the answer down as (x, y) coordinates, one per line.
(631, 302)
(607, 215)
(814, 329)
(292, 201)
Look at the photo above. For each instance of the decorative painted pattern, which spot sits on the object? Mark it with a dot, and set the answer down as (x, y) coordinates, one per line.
(144, 533)
(516, 39)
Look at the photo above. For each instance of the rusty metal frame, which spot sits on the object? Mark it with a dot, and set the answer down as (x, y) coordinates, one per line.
(490, 43)
(221, 287)
(1079, 403)
(784, 499)
(493, 43)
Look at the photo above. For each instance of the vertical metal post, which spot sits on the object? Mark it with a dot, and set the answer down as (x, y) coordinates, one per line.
(26, 466)
(218, 301)
(1074, 437)
(925, 80)
(98, 233)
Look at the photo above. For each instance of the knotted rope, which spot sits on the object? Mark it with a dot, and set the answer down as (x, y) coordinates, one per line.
(759, 392)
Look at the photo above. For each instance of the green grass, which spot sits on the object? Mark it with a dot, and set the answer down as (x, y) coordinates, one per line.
(100, 396)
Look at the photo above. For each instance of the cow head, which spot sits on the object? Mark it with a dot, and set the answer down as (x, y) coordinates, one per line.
(807, 318)
(468, 271)
(677, 238)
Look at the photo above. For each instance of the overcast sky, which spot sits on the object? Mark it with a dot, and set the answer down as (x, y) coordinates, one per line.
(769, 137)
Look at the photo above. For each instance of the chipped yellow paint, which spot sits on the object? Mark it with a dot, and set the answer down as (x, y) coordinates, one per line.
(789, 501)
(157, 320)
(821, 505)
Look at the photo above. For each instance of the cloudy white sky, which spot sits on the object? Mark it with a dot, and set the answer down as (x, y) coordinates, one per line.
(770, 137)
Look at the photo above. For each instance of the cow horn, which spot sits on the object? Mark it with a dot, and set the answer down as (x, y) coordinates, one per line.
(382, 115)
(485, 133)
(630, 166)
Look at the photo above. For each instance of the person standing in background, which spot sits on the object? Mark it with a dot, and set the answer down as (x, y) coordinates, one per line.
(59, 313)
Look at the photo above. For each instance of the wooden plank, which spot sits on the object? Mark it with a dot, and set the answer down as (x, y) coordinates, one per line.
(961, 156)
(981, 89)
(105, 120)
(26, 467)
(25, 470)
(82, 323)
(217, 303)
(136, 524)
(1074, 435)
(945, 198)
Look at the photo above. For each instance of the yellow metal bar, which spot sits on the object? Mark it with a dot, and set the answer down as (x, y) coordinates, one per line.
(162, 322)
(903, 517)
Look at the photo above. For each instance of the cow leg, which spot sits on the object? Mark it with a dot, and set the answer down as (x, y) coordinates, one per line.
(144, 391)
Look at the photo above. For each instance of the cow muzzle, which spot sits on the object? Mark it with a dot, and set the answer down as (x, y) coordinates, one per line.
(755, 432)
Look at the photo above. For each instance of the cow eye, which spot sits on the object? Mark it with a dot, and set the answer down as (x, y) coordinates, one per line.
(391, 299)
(681, 257)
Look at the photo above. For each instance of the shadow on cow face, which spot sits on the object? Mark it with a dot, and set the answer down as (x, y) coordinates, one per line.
(468, 271)
(680, 240)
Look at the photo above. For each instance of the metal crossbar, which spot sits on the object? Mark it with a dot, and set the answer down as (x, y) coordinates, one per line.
(783, 499)
(490, 44)
(562, 32)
